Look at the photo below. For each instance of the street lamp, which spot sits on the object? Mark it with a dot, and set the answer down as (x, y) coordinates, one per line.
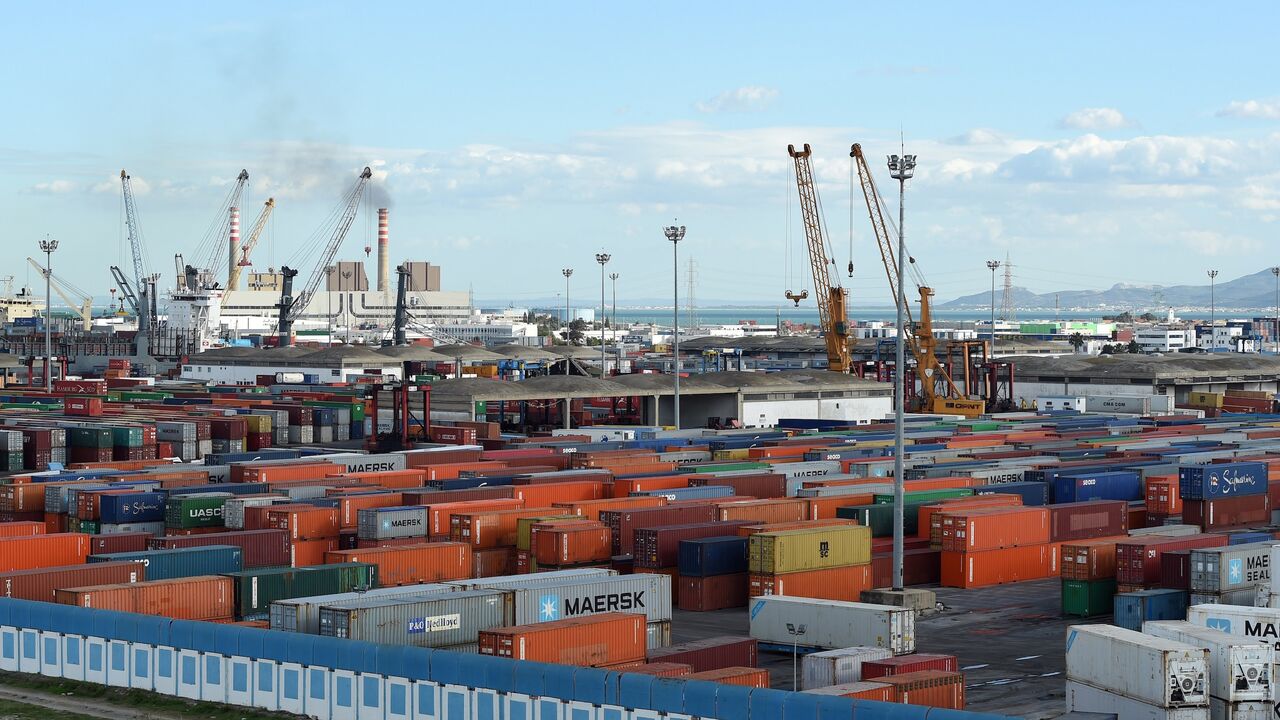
(602, 258)
(795, 631)
(568, 319)
(328, 302)
(1276, 271)
(1212, 274)
(47, 246)
(613, 322)
(992, 265)
(901, 168)
(675, 235)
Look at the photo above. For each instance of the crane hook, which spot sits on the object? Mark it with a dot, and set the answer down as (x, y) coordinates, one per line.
(796, 298)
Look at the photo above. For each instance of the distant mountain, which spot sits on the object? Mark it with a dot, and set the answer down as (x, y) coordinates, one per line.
(1251, 291)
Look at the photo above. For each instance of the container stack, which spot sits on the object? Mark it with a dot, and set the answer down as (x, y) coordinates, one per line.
(1129, 674)
(1231, 575)
(713, 573)
(992, 546)
(1240, 680)
(832, 563)
(1225, 495)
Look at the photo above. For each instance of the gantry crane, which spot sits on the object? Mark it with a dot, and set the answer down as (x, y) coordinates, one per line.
(832, 313)
(212, 246)
(938, 393)
(75, 298)
(141, 292)
(233, 278)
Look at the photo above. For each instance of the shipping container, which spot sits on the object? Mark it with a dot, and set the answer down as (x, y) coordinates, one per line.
(832, 624)
(1161, 672)
(702, 557)
(1235, 567)
(42, 551)
(440, 620)
(976, 529)
(1138, 559)
(181, 562)
(902, 664)
(846, 582)
(412, 564)
(1087, 598)
(712, 592)
(578, 543)
(198, 597)
(858, 690)
(560, 596)
(930, 688)
(1089, 559)
(996, 567)
(259, 548)
(809, 549)
(1085, 520)
(595, 641)
(747, 677)
(1086, 701)
(659, 546)
(623, 523)
(1227, 512)
(1239, 670)
(41, 583)
(257, 589)
(837, 667)
(1222, 480)
(1131, 609)
(711, 653)
(383, 523)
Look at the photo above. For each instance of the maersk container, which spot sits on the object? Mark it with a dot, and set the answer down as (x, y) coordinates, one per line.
(1120, 485)
(1234, 567)
(1252, 622)
(183, 562)
(257, 589)
(1245, 596)
(1131, 609)
(1032, 493)
(1082, 698)
(1149, 669)
(1222, 480)
(538, 600)
(358, 462)
(386, 523)
(441, 620)
(134, 507)
(302, 614)
(808, 470)
(831, 624)
(836, 667)
(1239, 669)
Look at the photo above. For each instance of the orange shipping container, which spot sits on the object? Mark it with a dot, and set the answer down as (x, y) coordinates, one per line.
(660, 669)
(491, 528)
(930, 524)
(21, 529)
(349, 507)
(390, 479)
(1163, 496)
(543, 494)
(976, 529)
(493, 562)
(285, 472)
(838, 583)
(309, 523)
(821, 508)
(777, 510)
(205, 597)
(749, 530)
(746, 676)
(306, 553)
(572, 545)
(41, 551)
(996, 567)
(412, 564)
(1089, 559)
(595, 640)
(441, 514)
(932, 688)
(591, 509)
(625, 486)
(451, 471)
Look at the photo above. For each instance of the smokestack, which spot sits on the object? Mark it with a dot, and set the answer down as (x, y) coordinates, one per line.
(383, 276)
(234, 250)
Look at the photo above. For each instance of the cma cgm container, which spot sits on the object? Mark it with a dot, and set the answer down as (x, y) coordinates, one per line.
(1222, 480)
(183, 562)
(596, 641)
(809, 549)
(41, 583)
(1153, 670)
(1084, 520)
(836, 667)
(440, 620)
(1235, 567)
(832, 624)
(257, 589)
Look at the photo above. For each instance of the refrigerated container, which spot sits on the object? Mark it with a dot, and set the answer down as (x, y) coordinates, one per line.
(1239, 669)
(1161, 672)
(836, 667)
(1082, 698)
(831, 624)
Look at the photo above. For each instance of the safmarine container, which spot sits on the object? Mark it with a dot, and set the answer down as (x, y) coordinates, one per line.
(836, 667)
(182, 562)
(809, 549)
(132, 507)
(831, 624)
(392, 522)
(1132, 609)
(1086, 598)
(540, 599)
(1153, 670)
(257, 589)
(599, 640)
(440, 620)
(41, 583)
(702, 557)
(1239, 670)
(1222, 480)
(194, 511)
(1235, 567)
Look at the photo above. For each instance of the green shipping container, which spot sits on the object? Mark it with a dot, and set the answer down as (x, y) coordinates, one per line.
(90, 437)
(808, 549)
(880, 517)
(11, 461)
(524, 527)
(1086, 598)
(89, 527)
(257, 589)
(924, 496)
(143, 395)
(126, 436)
(728, 467)
(195, 511)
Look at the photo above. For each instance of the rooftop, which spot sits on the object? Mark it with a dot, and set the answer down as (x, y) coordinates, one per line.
(1185, 367)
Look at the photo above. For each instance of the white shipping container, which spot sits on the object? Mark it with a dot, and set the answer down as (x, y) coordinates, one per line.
(809, 469)
(303, 614)
(1239, 669)
(1086, 699)
(1124, 404)
(837, 490)
(546, 599)
(1223, 710)
(1166, 531)
(1049, 403)
(1152, 670)
(832, 624)
(846, 689)
(836, 667)
(360, 462)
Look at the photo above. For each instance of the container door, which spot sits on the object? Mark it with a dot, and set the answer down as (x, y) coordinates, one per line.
(487, 704)
(426, 700)
(518, 706)
(611, 712)
(29, 657)
(371, 700)
(9, 639)
(141, 672)
(72, 657)
(580, 711)
(95, 660)
(546, 708)
(214, 687)
(266, 685)
(118, 657)
(189, 674)
(344, 691)
(240, 681)
(398, 699)
(291, 682)
(455, 703)
(165, 674)
(51, 654)
(316, 692)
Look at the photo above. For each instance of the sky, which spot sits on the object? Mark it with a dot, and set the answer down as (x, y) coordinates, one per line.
(1092, 143)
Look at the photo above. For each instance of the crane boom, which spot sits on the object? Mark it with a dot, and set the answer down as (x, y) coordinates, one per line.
(233, 280)
(140, 269)
(331, 248)
(832, 313)
(878, 225)
(81, 305)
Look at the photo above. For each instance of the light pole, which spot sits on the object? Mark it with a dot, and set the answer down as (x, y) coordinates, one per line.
(992, 265)
(603, 259)
(328, 302)
(900, 169)
(568, 320)
(675, 235)
(1276, 271)
(795, 631)
(613, 321)
(47, 246)
(1212, 274)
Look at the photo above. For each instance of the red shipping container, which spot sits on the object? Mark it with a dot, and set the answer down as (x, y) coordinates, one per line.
(838, 583)
(763, 485)
(440, 515)
(543, 494)
(204, 597)
(1175, 570)
(413, 564)
(390, 479)
(42, 551)
(1138, 559)
(623, 523)
(862, 690)
(1089, 559)
(713, 592)
(435, 456)
(494, 562)
(1090, 519)
(659, 669)
(255, 516)
(80, 387)
(902, 664)
(435, 497)
(576, 544)
(1163, 496)
(259, 548)
(591, 509)
(996, 567)
(764, 511)
(305, 553)
(978, 529)
(593, 641)
(491, 528)
(40, 584)
(929, 525)
(281, 473)
(1227, 512)
(82, 406)
(710, 654)
(921, 566)
(305, 523)
(659, 547)
(932, 688)
(748, 677)
(624, 487)
(22, 529)
(118, 542)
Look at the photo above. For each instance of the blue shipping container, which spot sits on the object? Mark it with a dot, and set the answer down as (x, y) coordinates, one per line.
(1032, 493)
(1097, 486)
(1210, 482)
(1243, 538)
(701, 492)
(1134, 608)
(183, 562)
(132, 507)
(713, 556)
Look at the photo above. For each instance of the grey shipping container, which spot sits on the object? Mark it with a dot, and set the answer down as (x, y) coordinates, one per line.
(836, 667)
(831, 624)
(303, 614)
(1160, 672)
(1082, 698)
(392, 522)
(658, 634)
(1234, 567)
(354, 462)
(564, 598)
(1239, 670)
(1247, 597)
(441, 620)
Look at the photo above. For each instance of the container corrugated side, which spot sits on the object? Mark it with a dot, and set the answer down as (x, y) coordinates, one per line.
(1235, 567)
(563, 598)
(303, 614)
(832, 624)
(1239, 670)
(1154, 670)
(440, 620)
(836, 667)
(809, 549)
(1082, 698)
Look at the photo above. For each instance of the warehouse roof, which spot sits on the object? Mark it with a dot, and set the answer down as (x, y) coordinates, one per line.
(523, 352)
(467, 352)
(345, 355)
(767, 344)
(417, 353)
(1174, 367)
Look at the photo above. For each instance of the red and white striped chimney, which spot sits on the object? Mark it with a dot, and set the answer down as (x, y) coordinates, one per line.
(234, 246)
(383, 239)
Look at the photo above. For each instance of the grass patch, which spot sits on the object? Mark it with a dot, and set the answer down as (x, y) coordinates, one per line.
(10, 710)
(135, 699)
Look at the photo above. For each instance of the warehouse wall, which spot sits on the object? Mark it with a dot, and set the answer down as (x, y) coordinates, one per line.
(335, 679)
(766, 413)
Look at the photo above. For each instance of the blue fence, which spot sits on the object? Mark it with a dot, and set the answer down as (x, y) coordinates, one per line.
(334, 679)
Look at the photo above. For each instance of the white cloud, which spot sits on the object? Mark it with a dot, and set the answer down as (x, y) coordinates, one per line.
(1096, 119)
(54, 187)
(1264, 109)
(748, 98)
(1213, 243)
(1159, 158)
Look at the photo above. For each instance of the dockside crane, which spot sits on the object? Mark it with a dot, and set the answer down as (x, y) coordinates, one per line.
(140, 294)
(233, 278)
(213, 246)
(291, 306)
(78, 300)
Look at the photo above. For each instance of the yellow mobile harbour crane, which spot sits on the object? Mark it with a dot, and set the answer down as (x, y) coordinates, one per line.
(937, 394)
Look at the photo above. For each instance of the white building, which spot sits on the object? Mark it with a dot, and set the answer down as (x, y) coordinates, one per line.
(1224, 338)
(1163, 339)
(491, 332)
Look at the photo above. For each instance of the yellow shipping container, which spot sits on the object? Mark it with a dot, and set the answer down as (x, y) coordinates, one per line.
(809, 549)
(1251, 394)
(739, 454)
(1204, 399)
(258, 423)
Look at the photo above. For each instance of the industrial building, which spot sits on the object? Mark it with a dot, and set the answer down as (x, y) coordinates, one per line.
(1174, 375)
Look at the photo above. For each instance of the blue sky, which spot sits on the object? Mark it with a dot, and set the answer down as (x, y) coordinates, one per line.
(1094, 142)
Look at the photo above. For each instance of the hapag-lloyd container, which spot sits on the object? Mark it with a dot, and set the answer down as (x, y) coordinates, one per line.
(836, 667)
(440, 620)
(1239, 670)
(1222, 480)
(1153, 670)
(832, 624)
(1235, 567)
(544, 599)
(302, 614)
(600, 640)
(392, 522)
